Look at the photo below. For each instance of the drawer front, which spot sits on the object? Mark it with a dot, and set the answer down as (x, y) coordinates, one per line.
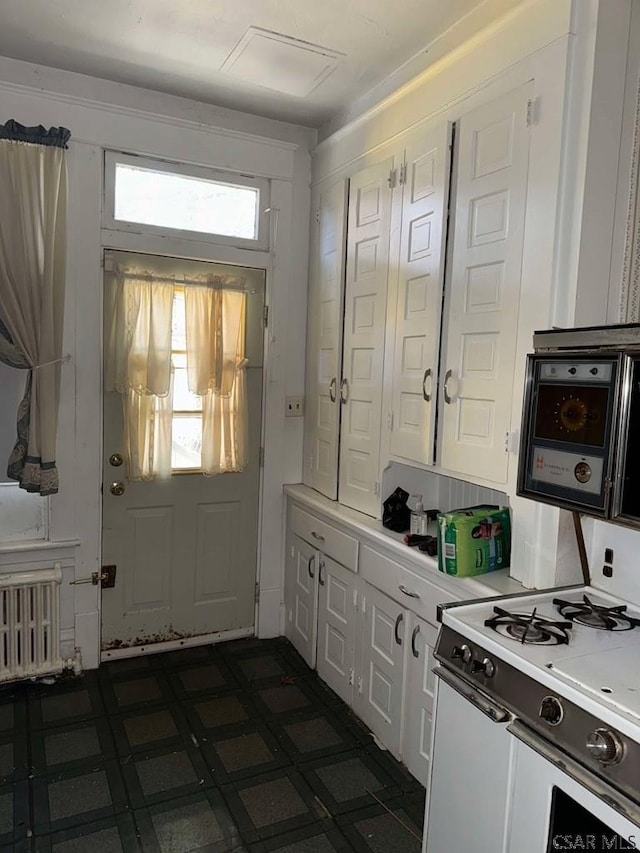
(334, 543)
(415, 592)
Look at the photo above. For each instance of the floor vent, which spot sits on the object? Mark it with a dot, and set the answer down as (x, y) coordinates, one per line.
(29, 624)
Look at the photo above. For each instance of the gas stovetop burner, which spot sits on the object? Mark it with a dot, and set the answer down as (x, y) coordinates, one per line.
(592, 615)
(529, 627)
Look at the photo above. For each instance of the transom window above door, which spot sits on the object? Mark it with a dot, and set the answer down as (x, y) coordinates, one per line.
(151, 196)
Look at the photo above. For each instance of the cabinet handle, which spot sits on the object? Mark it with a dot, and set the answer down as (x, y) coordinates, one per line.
(344, 390)
(310, 563)
(332, 389)
(427, 374)
(414, 636)
(398, 623)
(317, 536)
(445, 391)
(320, 568)
(408, 592)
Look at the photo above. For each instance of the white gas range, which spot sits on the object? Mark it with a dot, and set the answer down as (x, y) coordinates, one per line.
(553, 760)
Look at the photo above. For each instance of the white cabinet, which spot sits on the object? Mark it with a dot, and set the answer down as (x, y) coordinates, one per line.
(336, 627)
(324, 345)
(301, 596)
(368, 234)
(380, 666)
(419, 691)
(416, 298)
(483, 289)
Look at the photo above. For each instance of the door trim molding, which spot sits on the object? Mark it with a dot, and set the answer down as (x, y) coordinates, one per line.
(173, 645)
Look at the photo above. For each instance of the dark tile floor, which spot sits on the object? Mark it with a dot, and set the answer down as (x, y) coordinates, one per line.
(218, 749)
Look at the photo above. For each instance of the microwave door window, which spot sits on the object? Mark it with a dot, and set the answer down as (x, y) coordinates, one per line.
(572, 414)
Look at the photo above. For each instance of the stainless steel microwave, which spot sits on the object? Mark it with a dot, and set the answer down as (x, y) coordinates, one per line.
(580, 444)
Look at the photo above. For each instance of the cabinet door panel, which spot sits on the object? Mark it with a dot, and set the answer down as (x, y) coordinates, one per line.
(301, 597)
(364, 331)
(336, 627)
(484, 286)
(420, 284)
(380, 667)
(325, 333)
(420, 685)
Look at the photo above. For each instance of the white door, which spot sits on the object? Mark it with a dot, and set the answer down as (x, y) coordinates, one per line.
(420, 688)
(483, 288)
(301, 597)
(324, 345)
(185, 548)
(364, 330)
(336, 627)
(380, 667)
(419, 294)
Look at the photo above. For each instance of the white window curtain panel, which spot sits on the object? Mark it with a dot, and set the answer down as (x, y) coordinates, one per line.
(33, 208)
(139, 368)
(216, 362)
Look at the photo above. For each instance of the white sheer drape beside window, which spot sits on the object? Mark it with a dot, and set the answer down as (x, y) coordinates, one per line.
(215, 322)
(139, 368)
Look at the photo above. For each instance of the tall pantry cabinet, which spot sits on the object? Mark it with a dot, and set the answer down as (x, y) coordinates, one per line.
(454, 192)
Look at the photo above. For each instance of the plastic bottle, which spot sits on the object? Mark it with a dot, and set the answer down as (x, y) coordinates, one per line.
(418, 518)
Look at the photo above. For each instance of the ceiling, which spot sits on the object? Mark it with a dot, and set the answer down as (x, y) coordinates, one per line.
(180, 47)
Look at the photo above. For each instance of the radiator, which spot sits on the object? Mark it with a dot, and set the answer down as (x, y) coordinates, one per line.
(30, 624)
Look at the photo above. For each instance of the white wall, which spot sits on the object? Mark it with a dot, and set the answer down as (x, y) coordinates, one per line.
(102, 116)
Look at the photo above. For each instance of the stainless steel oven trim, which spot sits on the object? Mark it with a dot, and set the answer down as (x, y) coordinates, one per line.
(623, 403)
(489, 708)
(598, 787)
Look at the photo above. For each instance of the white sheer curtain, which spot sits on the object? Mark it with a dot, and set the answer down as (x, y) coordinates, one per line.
(216, 361)
(139, 368)
(33, 204)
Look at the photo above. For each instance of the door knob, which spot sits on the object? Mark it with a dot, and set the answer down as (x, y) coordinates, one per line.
(116, 460)
(117, 488)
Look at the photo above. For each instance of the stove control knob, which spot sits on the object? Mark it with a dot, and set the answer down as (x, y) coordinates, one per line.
(485, 666)
(605, 746)
(551, 711)
(462, 653)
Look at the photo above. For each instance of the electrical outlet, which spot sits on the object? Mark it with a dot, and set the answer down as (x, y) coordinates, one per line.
(294, 407)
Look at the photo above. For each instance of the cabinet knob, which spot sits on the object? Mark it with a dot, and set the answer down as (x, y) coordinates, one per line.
(344, 390)
(399, 619)
(445, 388)
(427, 375)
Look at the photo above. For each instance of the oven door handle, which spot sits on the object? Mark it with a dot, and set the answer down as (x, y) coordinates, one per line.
(490, 709)
(594, 784)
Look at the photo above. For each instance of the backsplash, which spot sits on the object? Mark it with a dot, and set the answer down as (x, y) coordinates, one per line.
(438, 491)
(625, 543)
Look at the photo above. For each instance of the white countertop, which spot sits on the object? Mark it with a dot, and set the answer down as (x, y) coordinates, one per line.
(491, 584)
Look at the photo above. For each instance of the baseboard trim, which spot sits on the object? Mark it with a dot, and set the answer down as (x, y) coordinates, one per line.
(173, 645)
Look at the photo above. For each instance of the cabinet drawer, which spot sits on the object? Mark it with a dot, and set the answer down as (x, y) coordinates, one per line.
(332, 542)
(415, 592)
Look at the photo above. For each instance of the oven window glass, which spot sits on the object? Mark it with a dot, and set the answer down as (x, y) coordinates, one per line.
(572, 827)
(572, 414)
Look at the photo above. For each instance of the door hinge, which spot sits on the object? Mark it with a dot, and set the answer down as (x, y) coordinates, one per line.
(506, 441)
(351, 677)
(392, 180)
(317, 215)
(403, 174)
(257, 592)
(261, 458)
(265, 315)
(532, 111)
(390, 421)
(376, 488)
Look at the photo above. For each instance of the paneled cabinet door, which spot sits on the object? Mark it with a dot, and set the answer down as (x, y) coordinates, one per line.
(419, 287)
(380, 667)
(301, 597)
(483, 288)
(418, 711)
(336, 626)
(368, 235)
(324, 349)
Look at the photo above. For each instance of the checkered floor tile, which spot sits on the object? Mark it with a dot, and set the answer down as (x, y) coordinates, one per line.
(216, 749)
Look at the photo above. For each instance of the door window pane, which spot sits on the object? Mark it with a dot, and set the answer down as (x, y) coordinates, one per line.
(186, 203)
(186, 442)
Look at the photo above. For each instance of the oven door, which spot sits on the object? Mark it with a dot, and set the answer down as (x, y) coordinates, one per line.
(559, 805)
